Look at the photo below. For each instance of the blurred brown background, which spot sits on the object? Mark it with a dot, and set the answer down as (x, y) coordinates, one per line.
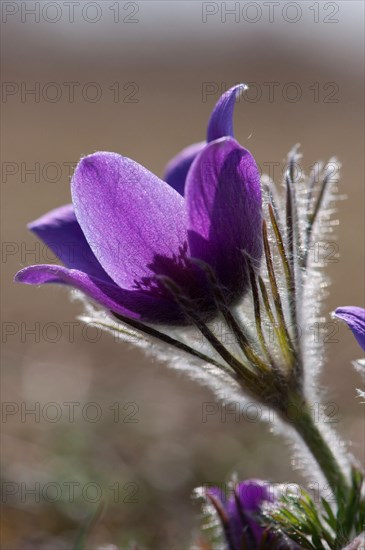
(138, 71)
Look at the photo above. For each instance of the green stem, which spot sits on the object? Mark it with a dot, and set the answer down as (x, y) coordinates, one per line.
(311, 434)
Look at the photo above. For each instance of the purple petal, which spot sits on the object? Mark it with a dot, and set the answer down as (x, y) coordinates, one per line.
(246, 506)
(220, 125)
(355, 318)
(41, 274)
(133, 304)
(133, 221)
(221, 120)
(240, 516)
(223, 200)
(60, 231)
(178, 167)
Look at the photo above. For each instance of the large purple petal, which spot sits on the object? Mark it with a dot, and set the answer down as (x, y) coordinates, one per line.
(134, 304)
(355, 318)
(223, 201)
(178, 167)
(60, 231)
(221, 120)
(134, 222)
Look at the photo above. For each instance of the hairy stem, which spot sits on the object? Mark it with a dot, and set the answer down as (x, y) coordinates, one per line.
(310, 432)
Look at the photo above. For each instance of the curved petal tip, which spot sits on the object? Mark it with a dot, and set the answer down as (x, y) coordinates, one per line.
(36, 275)
(221, 120)
(354, 317)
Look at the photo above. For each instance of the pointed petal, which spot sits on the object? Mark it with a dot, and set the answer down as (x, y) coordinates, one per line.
(133, 304)
(221, 120)
(178, 167)
(60, 231)
(355, 318)
(220, 125)
(131, 219)
(223, 201)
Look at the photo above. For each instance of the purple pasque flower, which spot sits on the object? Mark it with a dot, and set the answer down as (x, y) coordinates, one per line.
(355, 318)
(241, 516)
(127, 230)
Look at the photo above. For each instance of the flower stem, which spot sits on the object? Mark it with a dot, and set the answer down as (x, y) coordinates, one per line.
(310, 432)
